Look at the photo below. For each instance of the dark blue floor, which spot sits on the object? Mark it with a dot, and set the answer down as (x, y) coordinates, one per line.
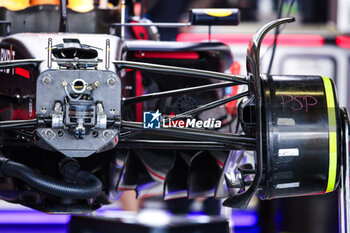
(63, 228)
(29, 221)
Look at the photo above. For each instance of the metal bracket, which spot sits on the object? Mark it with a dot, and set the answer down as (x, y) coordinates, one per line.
(344, 187)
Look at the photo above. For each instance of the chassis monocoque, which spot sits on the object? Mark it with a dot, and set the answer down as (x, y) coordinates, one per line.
(72, 135)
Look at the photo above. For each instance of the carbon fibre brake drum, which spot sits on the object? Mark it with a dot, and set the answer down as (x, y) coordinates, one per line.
(302, 135)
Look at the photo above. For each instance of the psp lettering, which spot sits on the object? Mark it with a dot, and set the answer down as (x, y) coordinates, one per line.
(152, 120)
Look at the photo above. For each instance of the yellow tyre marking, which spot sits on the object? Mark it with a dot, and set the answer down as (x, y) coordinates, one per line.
(332, 172)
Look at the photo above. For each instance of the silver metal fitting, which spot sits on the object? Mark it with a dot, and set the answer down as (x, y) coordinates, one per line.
(111, 82)
(106, 133)
(49, 133)
(46, 80)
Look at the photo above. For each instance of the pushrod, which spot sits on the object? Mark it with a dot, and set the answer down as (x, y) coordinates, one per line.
(195, 134)
(207, 106)
(156, 95)
(194, 73)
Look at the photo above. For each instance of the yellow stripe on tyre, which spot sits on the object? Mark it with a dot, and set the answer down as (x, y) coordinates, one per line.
(332, 125)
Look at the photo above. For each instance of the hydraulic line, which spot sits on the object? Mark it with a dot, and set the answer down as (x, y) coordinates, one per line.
(86, 184)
